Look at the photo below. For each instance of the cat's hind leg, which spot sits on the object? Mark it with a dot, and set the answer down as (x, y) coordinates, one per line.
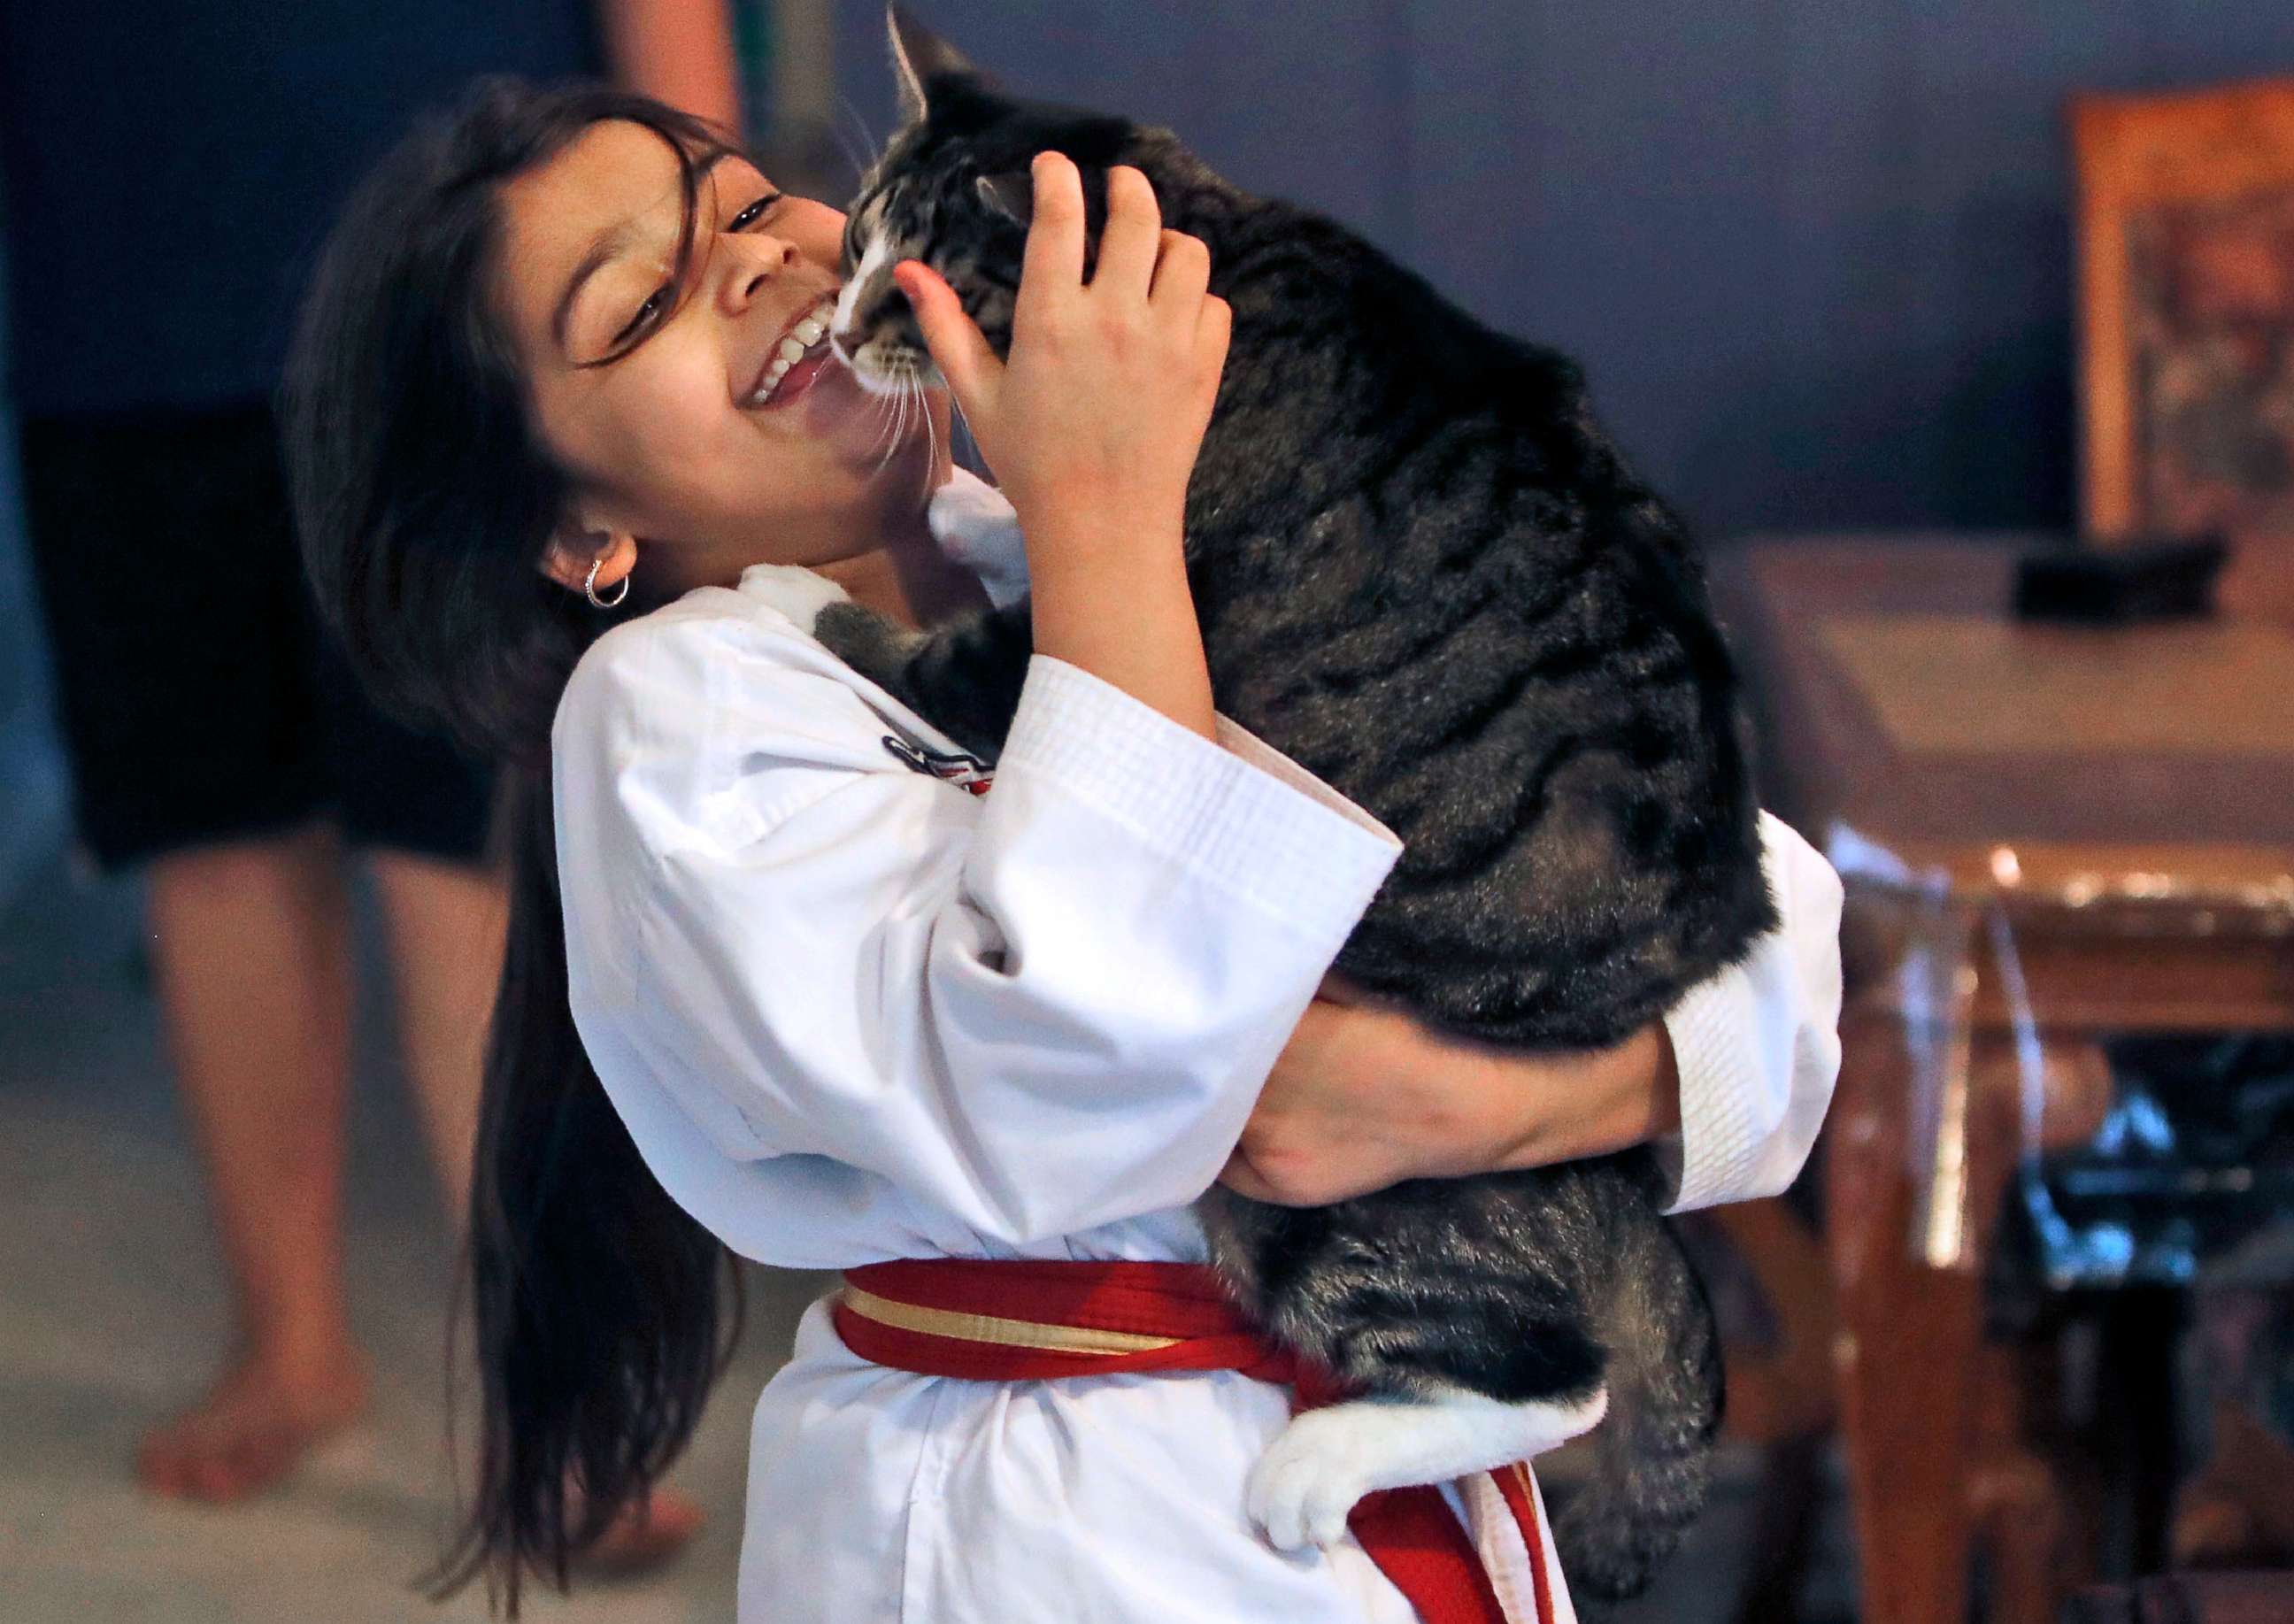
(1305, 1485)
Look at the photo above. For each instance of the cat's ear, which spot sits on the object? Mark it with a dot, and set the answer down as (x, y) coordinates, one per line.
(1012, 194)
(919, 56)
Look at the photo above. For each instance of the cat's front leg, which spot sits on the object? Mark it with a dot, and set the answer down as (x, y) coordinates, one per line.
(1308, 1481)
(964, 677)
(877, 647)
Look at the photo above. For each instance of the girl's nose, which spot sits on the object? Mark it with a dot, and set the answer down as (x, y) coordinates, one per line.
(753, 259)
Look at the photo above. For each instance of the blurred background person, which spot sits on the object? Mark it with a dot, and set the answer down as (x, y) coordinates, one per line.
(169, 170)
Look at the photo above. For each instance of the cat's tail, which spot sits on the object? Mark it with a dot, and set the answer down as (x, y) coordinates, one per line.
(1653, 1453)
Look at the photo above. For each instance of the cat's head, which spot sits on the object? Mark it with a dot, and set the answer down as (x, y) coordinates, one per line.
(952, 190)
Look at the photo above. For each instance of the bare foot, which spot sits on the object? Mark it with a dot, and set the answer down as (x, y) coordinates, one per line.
(644, 1536)
(253, 1427)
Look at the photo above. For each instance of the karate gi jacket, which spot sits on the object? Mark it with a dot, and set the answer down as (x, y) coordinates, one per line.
(852, 1009)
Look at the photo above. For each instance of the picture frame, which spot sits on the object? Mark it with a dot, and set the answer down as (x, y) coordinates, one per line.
(2185, 301)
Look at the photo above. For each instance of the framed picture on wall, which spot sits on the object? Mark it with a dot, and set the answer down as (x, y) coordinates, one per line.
(2186, 312)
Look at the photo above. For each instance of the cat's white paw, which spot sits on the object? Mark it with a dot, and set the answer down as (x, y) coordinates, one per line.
(1309, 1479)
(797, 592)
(1305, 1485)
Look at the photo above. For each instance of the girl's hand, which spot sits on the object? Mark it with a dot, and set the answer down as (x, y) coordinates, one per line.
(1093, 425)
(1364, 1097)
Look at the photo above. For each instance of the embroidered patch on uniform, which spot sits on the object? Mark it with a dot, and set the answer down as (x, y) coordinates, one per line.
(967, 772)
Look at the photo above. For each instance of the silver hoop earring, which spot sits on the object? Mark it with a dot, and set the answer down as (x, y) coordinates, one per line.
(590, 588)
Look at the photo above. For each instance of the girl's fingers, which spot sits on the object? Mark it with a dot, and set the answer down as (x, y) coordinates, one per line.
(1182, 274)
(961, 353)
(1243, 1179)
(1054, 265)
(1213, 329)
(1133, 231)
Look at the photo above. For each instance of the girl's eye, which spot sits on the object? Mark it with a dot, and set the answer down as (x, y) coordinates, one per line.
(749, 215)
(653, 308)
(646, 312)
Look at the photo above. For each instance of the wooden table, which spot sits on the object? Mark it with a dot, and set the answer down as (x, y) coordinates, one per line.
(2048, 835)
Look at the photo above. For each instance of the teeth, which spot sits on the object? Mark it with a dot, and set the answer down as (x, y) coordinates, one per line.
(808, 332)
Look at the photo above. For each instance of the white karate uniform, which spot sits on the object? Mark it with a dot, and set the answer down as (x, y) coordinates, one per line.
(851, 1012)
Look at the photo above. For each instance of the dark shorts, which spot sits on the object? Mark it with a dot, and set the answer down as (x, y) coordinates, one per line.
(200, 702)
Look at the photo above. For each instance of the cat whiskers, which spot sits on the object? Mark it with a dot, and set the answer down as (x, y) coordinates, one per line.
(906, 395)
(899, 432)
(872, 150)
(959, 433)
(931, 430)
(888, 432)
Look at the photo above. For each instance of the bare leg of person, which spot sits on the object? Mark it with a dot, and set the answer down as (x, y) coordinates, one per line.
(446, 923)
(251, 953)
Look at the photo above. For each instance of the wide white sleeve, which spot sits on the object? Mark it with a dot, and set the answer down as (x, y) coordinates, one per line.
(1758, 1045)
(1039, 1009)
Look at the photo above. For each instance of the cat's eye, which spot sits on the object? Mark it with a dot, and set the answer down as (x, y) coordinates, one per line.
(755, 212)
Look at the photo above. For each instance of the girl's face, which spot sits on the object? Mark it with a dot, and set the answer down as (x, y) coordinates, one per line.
(693, 443)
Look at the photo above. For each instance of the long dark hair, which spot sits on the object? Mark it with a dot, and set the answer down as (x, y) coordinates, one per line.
(426, 499)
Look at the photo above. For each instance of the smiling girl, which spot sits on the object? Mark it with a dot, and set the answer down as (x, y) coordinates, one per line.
(776, 982)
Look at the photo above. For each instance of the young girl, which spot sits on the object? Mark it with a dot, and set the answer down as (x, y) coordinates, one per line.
(574, 473)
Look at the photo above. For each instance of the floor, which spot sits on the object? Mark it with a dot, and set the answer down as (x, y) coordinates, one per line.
(110, 1314)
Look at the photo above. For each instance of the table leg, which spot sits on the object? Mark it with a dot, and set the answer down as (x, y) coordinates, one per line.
(1908, 1347)
(2020, 1510)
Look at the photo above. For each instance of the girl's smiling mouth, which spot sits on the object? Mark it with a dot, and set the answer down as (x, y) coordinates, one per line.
(796, 358)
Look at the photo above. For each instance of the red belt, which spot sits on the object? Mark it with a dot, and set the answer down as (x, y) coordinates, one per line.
(1003, 1322)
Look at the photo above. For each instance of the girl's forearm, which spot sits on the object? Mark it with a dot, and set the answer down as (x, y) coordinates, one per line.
(1364, 1096)
(1557, 1108)
(1116, 602)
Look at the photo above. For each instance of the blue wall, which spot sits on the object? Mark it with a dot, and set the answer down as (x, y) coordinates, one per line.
(1815, 253)
(32, 779)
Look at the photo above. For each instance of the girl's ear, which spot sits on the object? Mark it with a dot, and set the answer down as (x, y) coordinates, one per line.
(569, 554)
(919, 56)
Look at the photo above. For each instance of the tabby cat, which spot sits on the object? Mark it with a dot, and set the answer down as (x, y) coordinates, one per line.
(1423, 573)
